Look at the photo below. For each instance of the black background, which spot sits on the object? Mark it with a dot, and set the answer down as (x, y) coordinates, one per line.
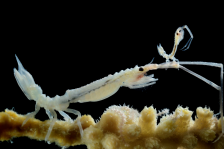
(66, 47)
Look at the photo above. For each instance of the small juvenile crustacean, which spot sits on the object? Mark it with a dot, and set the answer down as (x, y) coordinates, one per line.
(179, 35)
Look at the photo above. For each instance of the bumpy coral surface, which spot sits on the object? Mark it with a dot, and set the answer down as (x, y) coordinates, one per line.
(121, 127)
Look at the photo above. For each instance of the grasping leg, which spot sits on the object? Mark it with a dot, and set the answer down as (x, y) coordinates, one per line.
(78, 119)
(66, 117)
(32, 114)
(49, 114)
(220, 88)
(53, 120)
(200, 77)
(176, 65)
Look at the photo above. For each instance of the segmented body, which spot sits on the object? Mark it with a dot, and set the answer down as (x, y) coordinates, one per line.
(109, 85)
(95, 91)
(178, 36)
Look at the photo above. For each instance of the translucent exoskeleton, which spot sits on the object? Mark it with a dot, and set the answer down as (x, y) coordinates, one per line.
(95, 91)
(179, 35)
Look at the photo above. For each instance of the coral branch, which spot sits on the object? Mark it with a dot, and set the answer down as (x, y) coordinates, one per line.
(121, 127)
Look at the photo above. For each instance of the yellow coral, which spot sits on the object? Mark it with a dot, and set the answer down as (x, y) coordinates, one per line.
(131, 132)
(148, 121)
(121, 127)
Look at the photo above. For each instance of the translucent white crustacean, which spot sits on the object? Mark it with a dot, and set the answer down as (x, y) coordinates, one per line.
(179, 35)
(95, 91)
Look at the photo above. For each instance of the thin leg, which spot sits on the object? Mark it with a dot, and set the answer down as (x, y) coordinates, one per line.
(49, 114)
(78, 119)
(202, 63)
(32, 114)
(66, 117)
(53, 120)
(200, 77)
(176, 65)
(221, 105)
(220, 90)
